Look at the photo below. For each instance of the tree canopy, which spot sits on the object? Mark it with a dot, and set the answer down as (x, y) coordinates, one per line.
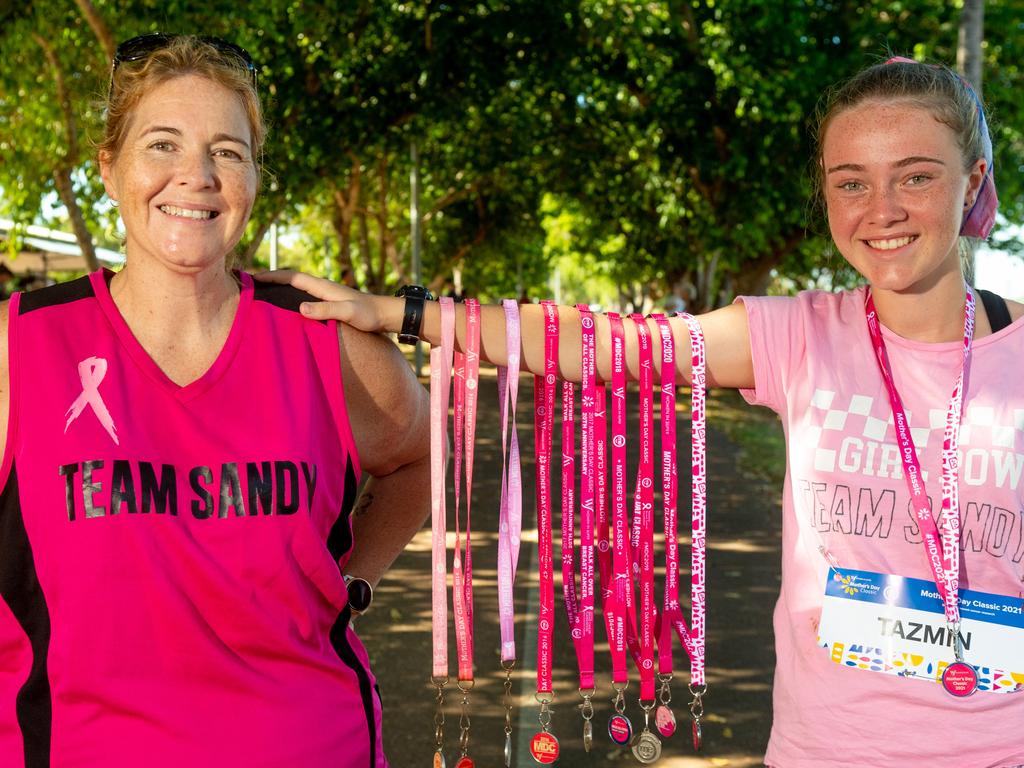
(662, 144)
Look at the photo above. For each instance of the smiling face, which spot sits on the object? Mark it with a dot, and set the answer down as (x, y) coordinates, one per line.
(184, 177)
(895, 188)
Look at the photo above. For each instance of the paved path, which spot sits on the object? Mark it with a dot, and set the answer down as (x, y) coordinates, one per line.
(743, 579)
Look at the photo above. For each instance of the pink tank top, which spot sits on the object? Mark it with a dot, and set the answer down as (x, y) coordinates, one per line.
(170, 557)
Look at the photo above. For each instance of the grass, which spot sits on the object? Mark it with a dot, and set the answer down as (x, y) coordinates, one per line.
(756, 432)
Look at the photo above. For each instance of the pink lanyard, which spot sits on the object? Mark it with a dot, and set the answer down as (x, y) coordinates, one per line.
(941, 549)
(467, 377)
(618, 596)
(544, 746)
(544, 413)
(671, 611)
(643, 515)
(580, 611)
(698, 527)
(510, 516)
(440, 383)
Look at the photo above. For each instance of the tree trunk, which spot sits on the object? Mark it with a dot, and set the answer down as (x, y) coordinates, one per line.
(67, 163)
(346, 204)
(968, 52)
(364, 238)
(62, 179)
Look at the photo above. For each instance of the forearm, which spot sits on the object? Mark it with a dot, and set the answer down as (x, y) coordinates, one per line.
(388, 513)
(493, 347)
(726, 332)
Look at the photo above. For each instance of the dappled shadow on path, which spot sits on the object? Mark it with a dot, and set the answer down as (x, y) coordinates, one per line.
(744, 534)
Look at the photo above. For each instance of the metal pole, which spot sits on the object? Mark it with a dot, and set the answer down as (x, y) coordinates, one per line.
(417, 236)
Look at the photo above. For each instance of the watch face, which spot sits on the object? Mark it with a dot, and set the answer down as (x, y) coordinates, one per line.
(360, 594)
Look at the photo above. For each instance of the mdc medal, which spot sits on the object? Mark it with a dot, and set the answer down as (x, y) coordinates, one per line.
(960, 679)
(696, 734)
(544, 748)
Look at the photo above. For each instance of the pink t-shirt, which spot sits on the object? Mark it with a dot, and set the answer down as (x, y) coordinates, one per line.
(845, 491)
(170, 557)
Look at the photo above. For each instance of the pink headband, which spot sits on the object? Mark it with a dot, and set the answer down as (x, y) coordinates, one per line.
(980, 217)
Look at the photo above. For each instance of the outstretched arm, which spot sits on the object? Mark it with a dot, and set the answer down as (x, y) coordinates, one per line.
(390, 416)
(726, 332)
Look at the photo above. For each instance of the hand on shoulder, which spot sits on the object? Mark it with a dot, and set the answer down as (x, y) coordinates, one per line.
(364, 311)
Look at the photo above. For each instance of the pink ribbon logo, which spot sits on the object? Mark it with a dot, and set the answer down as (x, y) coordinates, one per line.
(91, 371)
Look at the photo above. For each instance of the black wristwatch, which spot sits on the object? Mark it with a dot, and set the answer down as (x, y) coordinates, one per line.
(360, 594)
(412, 321)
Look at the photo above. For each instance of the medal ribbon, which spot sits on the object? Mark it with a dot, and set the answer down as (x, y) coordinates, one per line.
(941, 549)
(643, 511)
(544, 413)
(440, 383)
(467, 378)
(671, 611)
(511, 511)
(580, 610)
(619, 594)
(699, 505)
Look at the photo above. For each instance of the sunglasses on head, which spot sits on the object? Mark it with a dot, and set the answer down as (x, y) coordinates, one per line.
(143, 46)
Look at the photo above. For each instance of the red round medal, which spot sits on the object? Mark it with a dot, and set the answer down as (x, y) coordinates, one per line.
(620, 729)
(665, 720)
(465, 762)
(960, 679)
(544, 748)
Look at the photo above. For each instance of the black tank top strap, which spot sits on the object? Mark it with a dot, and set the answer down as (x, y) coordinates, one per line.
(995, 308)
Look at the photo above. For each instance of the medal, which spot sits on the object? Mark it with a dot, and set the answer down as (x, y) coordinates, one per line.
(665, 720)
(647, 748)
(620, 729)
(960, 679)
(508, 715)
(465, 762)
(697, 712)
(587, 710)
(439, 759)
(544, 748)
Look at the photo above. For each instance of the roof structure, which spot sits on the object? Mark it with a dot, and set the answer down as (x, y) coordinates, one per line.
(49, 250)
